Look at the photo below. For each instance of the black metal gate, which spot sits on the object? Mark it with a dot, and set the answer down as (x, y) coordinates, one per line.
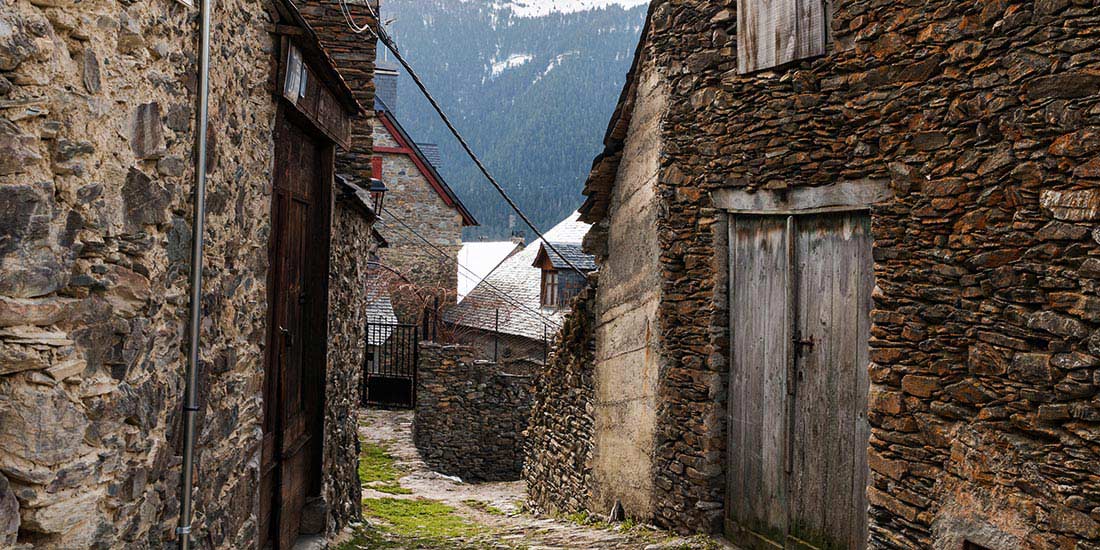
(389, 369)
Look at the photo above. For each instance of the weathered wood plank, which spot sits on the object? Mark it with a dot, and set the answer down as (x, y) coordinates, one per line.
(774, 32)
(834, 287)
(758, 379)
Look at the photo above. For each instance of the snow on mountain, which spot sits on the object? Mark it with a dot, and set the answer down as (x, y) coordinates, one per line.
(511, 62)
(540, 8)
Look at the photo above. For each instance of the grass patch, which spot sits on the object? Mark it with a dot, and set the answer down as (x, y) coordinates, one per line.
(483, 506)
(420, 518)
(379, 471)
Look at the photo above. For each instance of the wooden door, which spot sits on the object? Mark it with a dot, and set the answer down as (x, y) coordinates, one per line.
(800, 320)
(290, 407)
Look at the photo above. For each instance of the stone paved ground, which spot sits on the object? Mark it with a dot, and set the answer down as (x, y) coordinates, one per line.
(492, 512)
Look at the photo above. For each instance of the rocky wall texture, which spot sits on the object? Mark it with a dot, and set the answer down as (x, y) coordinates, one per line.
(985, 345)
(559, 436)
(353, 55)
(96, 123)
(470, 414)
(352, 244)
(411, 199)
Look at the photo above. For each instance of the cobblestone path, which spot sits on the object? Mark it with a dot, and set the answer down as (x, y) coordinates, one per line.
(426, 510)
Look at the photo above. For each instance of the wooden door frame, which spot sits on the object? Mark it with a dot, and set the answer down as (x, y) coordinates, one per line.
(318, 266)
(841, 197)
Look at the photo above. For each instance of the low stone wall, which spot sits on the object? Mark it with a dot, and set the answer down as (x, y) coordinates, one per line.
(470, 414)
(559, 436)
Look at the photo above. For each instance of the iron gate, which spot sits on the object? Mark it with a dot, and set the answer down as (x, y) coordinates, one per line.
(389, 368)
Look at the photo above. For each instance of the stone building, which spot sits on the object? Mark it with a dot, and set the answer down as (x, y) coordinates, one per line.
(856, 246)
(508, 316)
(97, 106)
(419, 206)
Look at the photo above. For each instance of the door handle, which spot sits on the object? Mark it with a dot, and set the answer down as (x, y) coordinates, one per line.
(288, 337)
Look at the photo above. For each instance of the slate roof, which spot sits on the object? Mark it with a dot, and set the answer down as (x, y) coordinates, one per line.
(476, 259)
(379, 310)
(517, 281)
(571, 252)
(597, 188)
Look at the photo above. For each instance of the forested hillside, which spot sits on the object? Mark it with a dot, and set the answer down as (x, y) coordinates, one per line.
(531, 88)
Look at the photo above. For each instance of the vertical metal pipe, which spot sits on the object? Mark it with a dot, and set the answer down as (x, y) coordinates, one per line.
(190, 404)
(496, 337)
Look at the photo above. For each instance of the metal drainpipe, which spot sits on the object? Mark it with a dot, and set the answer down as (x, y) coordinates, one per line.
(190, 406)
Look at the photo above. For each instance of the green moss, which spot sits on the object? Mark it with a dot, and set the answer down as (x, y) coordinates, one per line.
(422, 518)
(379, 471)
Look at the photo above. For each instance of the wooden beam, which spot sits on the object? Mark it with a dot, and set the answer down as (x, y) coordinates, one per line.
(847, 195)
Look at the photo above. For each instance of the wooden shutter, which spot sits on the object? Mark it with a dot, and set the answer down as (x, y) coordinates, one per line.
(376, 167)
(773, 32)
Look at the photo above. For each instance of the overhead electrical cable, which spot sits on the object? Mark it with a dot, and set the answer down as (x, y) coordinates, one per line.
(382, 36)
(443, 255)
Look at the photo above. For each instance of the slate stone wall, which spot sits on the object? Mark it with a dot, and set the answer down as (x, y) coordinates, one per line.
(983, 117)
(470, 414)
(559, 436)
(96, 119)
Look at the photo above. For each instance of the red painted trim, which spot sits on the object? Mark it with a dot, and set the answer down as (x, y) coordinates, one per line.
(395, 150)
(407, 149)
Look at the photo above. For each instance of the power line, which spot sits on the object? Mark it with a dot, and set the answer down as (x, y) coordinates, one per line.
(381, 35)
(499, 293)
(446, 257)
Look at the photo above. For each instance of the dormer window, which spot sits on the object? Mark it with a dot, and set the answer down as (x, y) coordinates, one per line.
(549, 293)
(560, 282)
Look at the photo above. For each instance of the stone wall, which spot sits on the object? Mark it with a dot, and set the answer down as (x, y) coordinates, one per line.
(96, 121)
(507, 347)
(411, 199)
(96, 115)
(982, 115)
(352, 245)
(628, 354)
(558, 467)
(470, 414)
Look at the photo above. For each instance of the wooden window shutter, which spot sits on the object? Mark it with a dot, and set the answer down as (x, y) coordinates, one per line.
(376, 167)
(773, 32)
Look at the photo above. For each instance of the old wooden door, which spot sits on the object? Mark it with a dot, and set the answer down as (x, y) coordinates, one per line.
(800, 300)
(290, 406)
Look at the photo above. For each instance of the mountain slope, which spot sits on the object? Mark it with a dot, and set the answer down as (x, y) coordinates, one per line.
(530, 83)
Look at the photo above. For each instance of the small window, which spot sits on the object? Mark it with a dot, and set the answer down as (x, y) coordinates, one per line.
(549, 288)
(967, 545)
(775, 32)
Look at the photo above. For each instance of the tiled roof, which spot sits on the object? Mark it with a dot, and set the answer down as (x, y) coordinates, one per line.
(512, 289)
(571, 252)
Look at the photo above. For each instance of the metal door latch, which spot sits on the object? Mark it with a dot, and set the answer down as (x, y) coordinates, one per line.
(289, 338)
(804, 343)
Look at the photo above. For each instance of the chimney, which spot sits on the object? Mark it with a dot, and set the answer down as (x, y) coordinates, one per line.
(385, 87)
(518, 237)
(431, 152)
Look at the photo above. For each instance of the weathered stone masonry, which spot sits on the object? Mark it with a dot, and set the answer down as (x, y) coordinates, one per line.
(96, 119)
(470, 414)
(982, 115)
(559, 435)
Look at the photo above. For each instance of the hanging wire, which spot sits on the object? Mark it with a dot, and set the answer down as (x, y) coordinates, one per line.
(444, 256)
(382, 36)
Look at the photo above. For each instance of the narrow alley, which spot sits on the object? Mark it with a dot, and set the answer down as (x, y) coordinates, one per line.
(408, 506)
